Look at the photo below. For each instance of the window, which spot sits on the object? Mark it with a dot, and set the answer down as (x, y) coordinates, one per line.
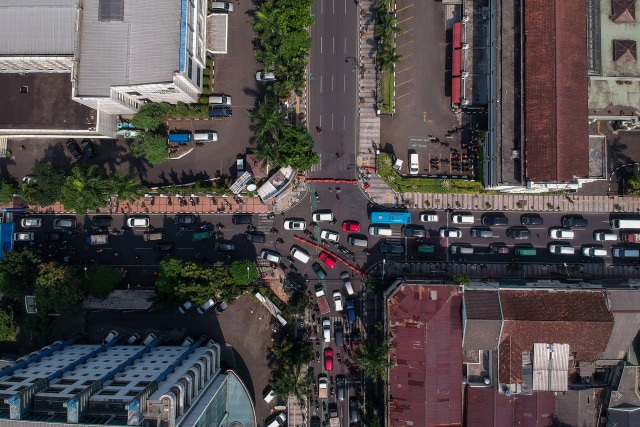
(134, 93)
(24, 89)
(119, 383)
(198, 76)
(189, 68)
(108, 392)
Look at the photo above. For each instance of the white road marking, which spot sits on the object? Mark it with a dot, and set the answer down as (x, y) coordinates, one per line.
(320, 84)
(332, 121)
(333, 43)
(320, 44)
(345, 7)
(334, 7)
(345, 39)
(344, 122)
(320, 124)
(344, 83)
(331, 82)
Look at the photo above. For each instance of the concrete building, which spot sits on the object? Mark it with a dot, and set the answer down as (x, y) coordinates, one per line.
(147, 384)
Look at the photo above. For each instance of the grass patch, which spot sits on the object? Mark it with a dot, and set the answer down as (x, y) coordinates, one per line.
(423, 185)
(386, 87)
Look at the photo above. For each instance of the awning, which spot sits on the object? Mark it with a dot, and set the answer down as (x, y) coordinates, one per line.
(456, 61)
(455, 90)
(457, 35)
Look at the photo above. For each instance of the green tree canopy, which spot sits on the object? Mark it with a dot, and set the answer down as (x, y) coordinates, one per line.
(293, 44)
(238, 271)
(86, 189)
(296, 147)
(268, 122)
(155, 147)
(197, 283)
(150, 116)
(49, 181)
(7, 191)
(374, 358)
(291, 357)
(296, 304)
(127, 187)
(100, 280)
(58, 287)
(18, 271)
(389, 58)
(462, 280)
(7, 324)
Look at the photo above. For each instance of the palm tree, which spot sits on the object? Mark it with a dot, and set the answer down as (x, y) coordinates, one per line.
(374, 358)
(266, 22)
(268, 122)
(127, 187)
(28, 192)
(386, 27)
(86, 188)
(388, 58)
(267, 154)
(282, 348)
(292, 382)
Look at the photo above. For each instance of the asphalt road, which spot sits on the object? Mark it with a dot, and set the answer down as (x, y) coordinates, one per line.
(332, 87)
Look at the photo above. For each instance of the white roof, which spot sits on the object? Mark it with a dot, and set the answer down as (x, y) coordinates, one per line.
(142, 48)
(550, 367)
(37, 27)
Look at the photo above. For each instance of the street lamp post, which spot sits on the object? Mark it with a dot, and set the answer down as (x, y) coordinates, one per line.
(248, 270)
(85, 273)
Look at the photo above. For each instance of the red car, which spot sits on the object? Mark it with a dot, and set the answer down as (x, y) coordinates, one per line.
(327, 259)
(351, 226)
(328, 359)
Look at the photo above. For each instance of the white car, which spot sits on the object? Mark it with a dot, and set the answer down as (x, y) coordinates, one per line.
(462, 218)
(561, 234)
(261, 76)
(24, 237)
(594, 251)
(414, 166)
(429, 218)
(337, 300)
(31, 222)
(450, 233)
(292, 224)
(138, 222)
(326, 330)
(329, 235)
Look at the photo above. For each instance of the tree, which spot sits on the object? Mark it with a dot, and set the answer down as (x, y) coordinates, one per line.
(266, 154)
(281, 348)
(155, 147)
(296, 304)
(294, 44)
(386, 27)
(238, 271)
(100, 280)
(633, 184)
(18, 271)
(7, 191)
(49, 181)
(462, 280)
(167, 282)
(150, 116)
(7, 324)
(198, 284)
(288, 378)
(374, 358)
(265, 22)
(127, 187)
(268, 122)
(58, 288)
(388, 58)
(296, 147)
(86, 189)
(28, 192)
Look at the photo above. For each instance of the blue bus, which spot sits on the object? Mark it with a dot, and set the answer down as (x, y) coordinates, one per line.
(180, 138)
(390, 218)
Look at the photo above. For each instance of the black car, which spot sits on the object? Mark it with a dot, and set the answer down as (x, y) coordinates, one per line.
(87, 147)
(574, 222)
(73, 148)
(531, 220)
(493, 220)
(414, 231)
(389, 248)
(52, 237)
(184, 219)
(164, 247)
(518, 233)
(225, 246)
(101, 222)
(255, 237)
(241, 219)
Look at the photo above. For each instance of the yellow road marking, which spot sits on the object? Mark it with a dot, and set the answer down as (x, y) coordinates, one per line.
(402, 45)
(404, 82)
(398, 97)
(598, 122)
(405, 32)
(407, 7)
(424, 117)
(405, 20)
(406, 69)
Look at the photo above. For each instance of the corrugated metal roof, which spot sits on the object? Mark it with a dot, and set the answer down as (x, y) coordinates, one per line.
(488, 408)
(142, 49)
(425, 386)
(550, 367)
(37, 27)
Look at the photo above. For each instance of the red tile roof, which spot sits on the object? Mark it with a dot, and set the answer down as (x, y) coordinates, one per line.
(488, 408)
(555, 90)
(425, 387)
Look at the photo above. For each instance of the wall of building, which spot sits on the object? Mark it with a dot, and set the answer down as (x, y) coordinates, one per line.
(36, 64)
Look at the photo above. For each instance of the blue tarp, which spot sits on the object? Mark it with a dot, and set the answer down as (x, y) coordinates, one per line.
(6, 237)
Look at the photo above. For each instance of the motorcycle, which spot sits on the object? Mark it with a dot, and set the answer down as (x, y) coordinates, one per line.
(169, 201)
(271, 215)
(338, 196)
(338, 357)
(317, 197)
(153, 201)
(193, 202)
(317, 356)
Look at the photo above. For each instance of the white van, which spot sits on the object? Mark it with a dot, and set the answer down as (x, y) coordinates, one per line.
(461, 250)
(220, 100)
(322, 216)
(269, 395)
(347, 282)
(460, 218)
(380, 230)
(205, 136)
(625, 223)
(300, 254)
(414, 166)
(270, 256)
(557, 249)
(603, 235)
(626, 253)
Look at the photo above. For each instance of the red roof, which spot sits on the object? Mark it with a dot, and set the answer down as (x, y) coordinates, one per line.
(456, 61)
(555, 90)
(457, 35)
(488, 408)
(455, 90)
(624, 10)
(624, 51)
(425, 386)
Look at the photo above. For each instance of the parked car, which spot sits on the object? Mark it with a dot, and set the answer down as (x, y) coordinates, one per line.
(87, 147)
(254, 237)
(31, 222)
(329, 235)
(73, 148)
(327, 259)
(24, 236)
(594, 251)
(294, 224)
(499, 249)
(270, 256)
(518, 233)
(337, 300)
(450, 233)
(328, 359)
(185, 307)
(318, 270)
(206, 306)
(326, 330)
(185, 219)
(350, 305)
(220, 307)
(133, 339)
(138, 222)
(414, 231)
(351, 226)
(64, 222)
(429, 217)
(481, 232)
(101, 222)
(391, 248)
(529, 219)
(574, 221)
(261, 76)
(340, 383)
(110, 336)
(493, 220)
(241, 219)
(561, 233)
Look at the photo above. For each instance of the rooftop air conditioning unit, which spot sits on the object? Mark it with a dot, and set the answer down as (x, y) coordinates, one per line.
(515, 154)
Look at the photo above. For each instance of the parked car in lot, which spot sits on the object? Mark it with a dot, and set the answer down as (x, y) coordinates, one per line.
(328, 359)
(270, 256)
(138, 222)
(327, 259)
(24, 236)
(185, 219)
(73, 148)
(318, 270)
(529, 219)
(31, 222)
(414, 231)
(574, 221)
(101, 222)
(561, 233)
(185, 307)
(87, 147)
(518, 233)
(391, 248)
(206, 306)
(450, 233)
(294, 224)
(262, 76)
(494, 220)
(351, 226)
(64, 222)
(594, 251)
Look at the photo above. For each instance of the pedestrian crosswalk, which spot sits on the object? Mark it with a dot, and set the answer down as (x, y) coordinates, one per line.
(318, 166)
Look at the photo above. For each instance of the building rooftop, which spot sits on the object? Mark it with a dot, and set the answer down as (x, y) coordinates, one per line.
(38, 27)
(483, 320)
(578, 408)
(556, 91)
(625, 307)
(139, 48)
(425, 386)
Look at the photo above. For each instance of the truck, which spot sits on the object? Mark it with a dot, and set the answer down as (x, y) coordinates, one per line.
(322, 386)
(631, 238)
(322, 299)
(334, 420)
(98, 239)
